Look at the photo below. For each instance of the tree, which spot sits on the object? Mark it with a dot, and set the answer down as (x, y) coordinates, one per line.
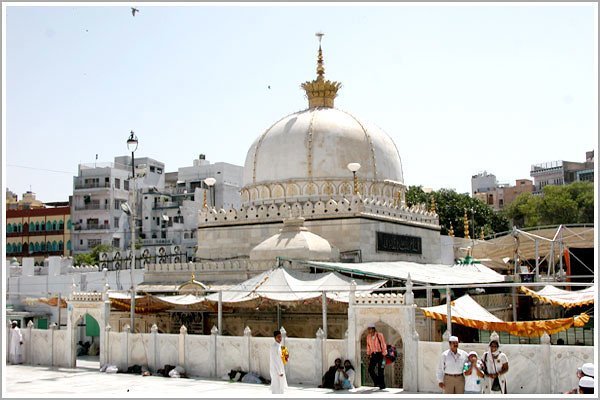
(93, 257)
(565, 204)
(451, 206)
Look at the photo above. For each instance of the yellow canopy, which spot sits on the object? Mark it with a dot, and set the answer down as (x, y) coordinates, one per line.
(559, 297)
(466, 311)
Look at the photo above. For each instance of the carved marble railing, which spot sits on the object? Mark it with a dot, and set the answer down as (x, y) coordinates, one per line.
(85, 296)
(379, 207)
(378, 299)
(242, 265)
(83, 268)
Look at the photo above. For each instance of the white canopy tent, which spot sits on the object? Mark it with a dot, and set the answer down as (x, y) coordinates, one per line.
(560, 297)
(284, 285)
(437, 274)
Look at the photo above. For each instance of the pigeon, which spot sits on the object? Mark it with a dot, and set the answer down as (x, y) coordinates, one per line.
(134, 10)
(269, 86)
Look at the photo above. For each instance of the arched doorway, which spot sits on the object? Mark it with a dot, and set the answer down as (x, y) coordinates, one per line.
(394, 315)
(393, 372)
(87, 339)
(88, 316)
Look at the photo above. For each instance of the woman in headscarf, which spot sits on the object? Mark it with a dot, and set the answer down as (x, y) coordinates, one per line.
(495, 364)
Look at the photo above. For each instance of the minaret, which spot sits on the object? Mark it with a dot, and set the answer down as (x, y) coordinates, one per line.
(321, 92)
(466, 224)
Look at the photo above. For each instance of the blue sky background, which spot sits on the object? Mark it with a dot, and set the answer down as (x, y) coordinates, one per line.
(460, 88)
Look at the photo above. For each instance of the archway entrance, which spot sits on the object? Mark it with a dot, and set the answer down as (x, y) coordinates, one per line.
(394, 316)
(88, 315)
(87, 338)
(393, 372)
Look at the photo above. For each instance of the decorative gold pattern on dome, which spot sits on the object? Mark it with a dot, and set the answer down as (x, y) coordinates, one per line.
(321, 92)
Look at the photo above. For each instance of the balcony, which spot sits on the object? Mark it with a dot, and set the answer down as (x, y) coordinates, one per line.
(92, 206)
(157, 242)
(92, 227)
(92, 185)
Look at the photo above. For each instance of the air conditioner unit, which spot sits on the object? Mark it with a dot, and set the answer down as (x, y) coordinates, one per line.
(116, 255)
(103, 260)
(162, 255)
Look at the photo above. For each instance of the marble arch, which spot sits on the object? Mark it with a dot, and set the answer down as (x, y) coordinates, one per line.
(78, 306)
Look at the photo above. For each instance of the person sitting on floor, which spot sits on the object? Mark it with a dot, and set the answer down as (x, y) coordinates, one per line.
(329, 377)
(344, 377)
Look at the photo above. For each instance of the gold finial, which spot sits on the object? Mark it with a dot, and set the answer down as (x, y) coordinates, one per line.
(451, 230)
(193, 276)
(466, 223)
(481, 234)
(432, 208)
(320, 92)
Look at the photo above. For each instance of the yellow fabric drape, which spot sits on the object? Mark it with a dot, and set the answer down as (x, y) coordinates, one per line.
(519, 328)
(548, 300)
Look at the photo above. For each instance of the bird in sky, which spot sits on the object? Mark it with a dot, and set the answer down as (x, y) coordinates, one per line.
(134, 10)
(269, 87)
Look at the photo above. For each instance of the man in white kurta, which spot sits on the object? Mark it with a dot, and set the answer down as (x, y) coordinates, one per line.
(278, 380)
(16, 341)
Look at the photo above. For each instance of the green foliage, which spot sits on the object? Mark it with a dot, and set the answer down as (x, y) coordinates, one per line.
(451, 206)
(566, 204)
(92, 258)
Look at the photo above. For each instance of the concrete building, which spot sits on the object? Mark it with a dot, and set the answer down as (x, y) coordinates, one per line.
(504, 194)
(482, 183)
(98, 192)
(562, 172)
(38, 230)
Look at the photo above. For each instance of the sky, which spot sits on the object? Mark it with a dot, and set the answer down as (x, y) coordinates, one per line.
(460, 88)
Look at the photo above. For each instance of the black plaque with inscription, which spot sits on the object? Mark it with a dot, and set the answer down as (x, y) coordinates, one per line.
(393, 243)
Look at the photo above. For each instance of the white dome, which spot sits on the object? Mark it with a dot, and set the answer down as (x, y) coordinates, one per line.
(316, 145)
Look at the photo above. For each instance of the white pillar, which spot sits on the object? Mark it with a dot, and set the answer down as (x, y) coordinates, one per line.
(213, 348)
(220, 313)
(29, 344)
(324, 311)
(319, 354)
(247, 350)
(154, 348)
(448, 311)
(124, 348)
(106, 345)
(546, 380)
(182, 346)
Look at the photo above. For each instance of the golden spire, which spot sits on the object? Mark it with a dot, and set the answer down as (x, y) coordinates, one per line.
(482, 234)
(432, 208)
(451, 230)
(466, 222)
(320, 92)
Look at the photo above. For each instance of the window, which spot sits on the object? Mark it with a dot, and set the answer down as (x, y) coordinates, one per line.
(152, 168)
(116, 224)
(116, 242)
(117, 183)
(93, 243)
(126, 185)
(158, 170)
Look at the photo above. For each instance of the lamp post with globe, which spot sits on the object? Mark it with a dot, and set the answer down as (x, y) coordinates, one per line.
(132, 144)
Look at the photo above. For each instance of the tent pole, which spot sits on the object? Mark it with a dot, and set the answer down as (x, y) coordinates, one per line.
(220, 314)
(537, 260)
(448, 312)
(429, 294)
(324, 306)
(278, 316)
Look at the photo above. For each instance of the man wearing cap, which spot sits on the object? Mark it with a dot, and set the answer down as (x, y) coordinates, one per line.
(376, 350)
(276, 367)
(588, 369)
(450, 368)
(16, 341)
(586, 385)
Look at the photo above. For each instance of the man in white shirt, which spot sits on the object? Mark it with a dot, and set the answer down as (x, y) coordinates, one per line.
(450, 368)
(16, 341)
(276, 367)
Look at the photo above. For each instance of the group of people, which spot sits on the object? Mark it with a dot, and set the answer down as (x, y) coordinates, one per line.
(338, 377)
(586, 375)
(460, 372)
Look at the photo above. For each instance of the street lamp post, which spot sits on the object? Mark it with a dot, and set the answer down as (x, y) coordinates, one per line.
(354, 167)
(209, 182)
(132, 144)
